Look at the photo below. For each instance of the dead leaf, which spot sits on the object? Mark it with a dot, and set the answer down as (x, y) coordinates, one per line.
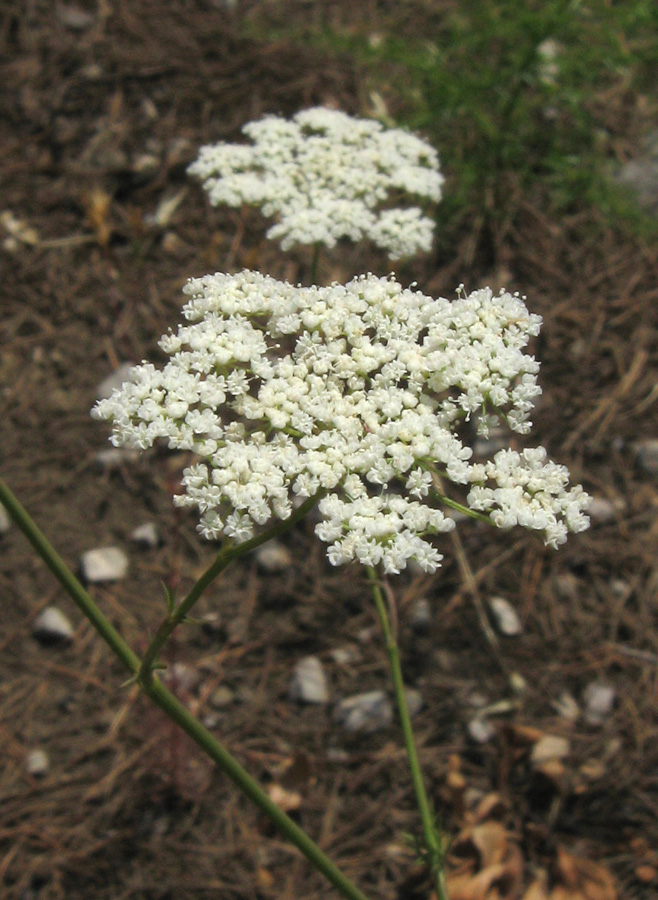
(264, 878)
(582, 879)
(537, 890)
(97, 206)
(284, 799)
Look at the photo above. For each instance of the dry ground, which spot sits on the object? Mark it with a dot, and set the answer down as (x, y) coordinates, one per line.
(98, 120)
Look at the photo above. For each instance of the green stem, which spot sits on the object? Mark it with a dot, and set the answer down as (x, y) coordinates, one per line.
(432, 837)
(163, 698)
(225, 556)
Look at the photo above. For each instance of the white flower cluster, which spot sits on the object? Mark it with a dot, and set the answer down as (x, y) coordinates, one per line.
(357, 391)
(325, 175)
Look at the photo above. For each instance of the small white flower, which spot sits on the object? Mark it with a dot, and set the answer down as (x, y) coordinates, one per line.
(324, 176)
(365, 403)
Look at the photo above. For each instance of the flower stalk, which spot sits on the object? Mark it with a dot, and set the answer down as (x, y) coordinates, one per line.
(226, 555)
(432, 839)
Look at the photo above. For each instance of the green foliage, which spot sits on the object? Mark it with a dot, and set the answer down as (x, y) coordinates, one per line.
(518, 98)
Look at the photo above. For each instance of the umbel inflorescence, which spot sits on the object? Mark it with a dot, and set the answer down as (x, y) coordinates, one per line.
(324, 175)
(355, 392)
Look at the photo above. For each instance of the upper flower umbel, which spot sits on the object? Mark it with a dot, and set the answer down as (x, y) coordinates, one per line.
(325, 175)
(357, 391)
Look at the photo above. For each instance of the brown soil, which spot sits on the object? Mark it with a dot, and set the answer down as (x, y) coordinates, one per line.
(99, 118)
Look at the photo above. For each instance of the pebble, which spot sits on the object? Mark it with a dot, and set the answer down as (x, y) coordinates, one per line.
(602, 510)
(211, 623)
(114, 380)
(365, 713)
(273, 557)
(506, 617)
(421, 615)
(309, 682)
(5, 522)
(37, 763)
(646, 454)
(146, 535)
(104, 564)
(414, 701)
(566, 707)
(480, 730)
(599, 699)
(52, 627)
(74, 18)
(549, 747)
(221, 697)
(180, 677)
(343, 656)
(114, 457)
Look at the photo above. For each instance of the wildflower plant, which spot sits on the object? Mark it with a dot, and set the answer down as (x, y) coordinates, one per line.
(324, 176)
(354, 394)
(357, 400)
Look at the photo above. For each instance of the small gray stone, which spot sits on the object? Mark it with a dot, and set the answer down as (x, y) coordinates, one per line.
(599, 700)
(479, 730)
(566, 707)
(646, 454)
(273, 557)
(421, 615)
(5, 521)
(104, 564)
(114, 380)
(506, 617)
(37, 763)
(74, 18)
(309, 682)
(114, 457)
(146, 535)
(52, 627)
(414, 701)
(343, 656)
(366, 713)
(222, 696)
(180, 677)
(602, 510)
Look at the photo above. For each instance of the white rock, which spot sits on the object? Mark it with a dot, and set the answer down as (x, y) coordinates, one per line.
(646, 454)
(414, 701)
(602, 510)
(506, 616)
(421, 614)
(115, 380)
(180, 677)
(37, 763)
(367, 713)
(309, 682)
(566, 707)
(273, 557)
(104, 564)
(343, 656)
(52, 626)
(479, 730)
(147, 535)
(115, 457)
(599, 699)
(548, 747)
(74, 18)
(222, 696)
(5, 521)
